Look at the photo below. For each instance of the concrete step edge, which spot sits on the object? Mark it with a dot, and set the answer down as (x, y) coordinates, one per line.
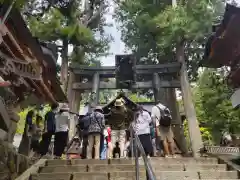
(126, 171)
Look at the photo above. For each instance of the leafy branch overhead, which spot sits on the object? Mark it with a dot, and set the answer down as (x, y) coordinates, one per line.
(153, 28)
(67, 20)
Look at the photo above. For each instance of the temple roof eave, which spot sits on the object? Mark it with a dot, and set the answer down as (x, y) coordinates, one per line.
(32, 47)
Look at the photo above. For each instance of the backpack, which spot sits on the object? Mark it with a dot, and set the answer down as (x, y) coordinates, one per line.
(84, 122)
(166, 118)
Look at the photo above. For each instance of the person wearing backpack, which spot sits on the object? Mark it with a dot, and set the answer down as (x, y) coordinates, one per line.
(95, 131)
(162, 119)
(83, 126)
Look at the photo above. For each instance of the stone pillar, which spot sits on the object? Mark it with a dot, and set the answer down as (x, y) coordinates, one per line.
(194, 130)
(159, 93)
(177, 126)
(74, 98)
(167, 97)
(95, 90)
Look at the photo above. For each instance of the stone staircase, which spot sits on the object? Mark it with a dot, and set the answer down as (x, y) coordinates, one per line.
(122, 169)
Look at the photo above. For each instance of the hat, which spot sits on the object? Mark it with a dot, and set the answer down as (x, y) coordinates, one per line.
(118, 102)
(64, 107)
(98, 108)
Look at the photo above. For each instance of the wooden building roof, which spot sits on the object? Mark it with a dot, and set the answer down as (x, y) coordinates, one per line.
(27, 64)
(128, 102)
(223, 46)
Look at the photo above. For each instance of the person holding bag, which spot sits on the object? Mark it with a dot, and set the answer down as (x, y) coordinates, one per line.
(95, 131)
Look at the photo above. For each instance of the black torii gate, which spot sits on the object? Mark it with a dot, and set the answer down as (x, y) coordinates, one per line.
(162, 78)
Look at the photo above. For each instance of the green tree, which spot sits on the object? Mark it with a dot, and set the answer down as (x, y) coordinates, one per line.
(155, 29)
(135, 97)
(213, 107)
(65, 23)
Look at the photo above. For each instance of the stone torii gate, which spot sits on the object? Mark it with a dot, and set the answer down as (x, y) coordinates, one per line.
(162, 78)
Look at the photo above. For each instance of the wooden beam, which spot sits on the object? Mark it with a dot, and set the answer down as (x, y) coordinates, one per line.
(138, 85)
(104, 68)
(110, 71)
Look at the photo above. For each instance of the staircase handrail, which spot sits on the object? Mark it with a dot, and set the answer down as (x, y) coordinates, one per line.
(136, 141)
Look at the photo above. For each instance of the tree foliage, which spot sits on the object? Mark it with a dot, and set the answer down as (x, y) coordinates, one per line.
(69, 22)
(153, 29)
(64, 22)
(138, 98)
(23, 114)
(213, 107)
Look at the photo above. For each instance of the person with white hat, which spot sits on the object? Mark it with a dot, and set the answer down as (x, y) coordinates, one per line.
(61, 133)
(95, 131)
(118, 120)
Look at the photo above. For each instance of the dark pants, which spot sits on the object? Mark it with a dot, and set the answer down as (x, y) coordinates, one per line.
(35, 146)
(159, 143)
(44, 144)
(84, 148)
(60, 142)
(146, 142)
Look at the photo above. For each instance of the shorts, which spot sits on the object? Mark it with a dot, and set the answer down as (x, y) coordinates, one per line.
(166, 133)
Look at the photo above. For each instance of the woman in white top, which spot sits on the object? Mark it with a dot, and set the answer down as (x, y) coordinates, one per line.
(61, 133)
(141, 126)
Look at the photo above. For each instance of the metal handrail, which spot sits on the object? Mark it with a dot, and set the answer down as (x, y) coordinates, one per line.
(136, 141)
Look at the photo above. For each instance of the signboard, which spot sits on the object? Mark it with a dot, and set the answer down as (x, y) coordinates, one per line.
(235, 98)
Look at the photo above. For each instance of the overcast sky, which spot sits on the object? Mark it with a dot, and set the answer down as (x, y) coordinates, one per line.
(117, 46)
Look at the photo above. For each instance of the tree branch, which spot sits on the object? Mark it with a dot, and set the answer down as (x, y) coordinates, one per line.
(95, 15)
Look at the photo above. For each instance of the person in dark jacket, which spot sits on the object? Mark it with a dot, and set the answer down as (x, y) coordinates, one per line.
(36, 135)
(24, 147)
(97, 124)
(84, 125)
(49, 130)
(119, 119)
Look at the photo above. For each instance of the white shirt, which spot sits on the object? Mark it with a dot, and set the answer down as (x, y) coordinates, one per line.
(105, 134)
(141, 124)
(62, 121)
(156, 114)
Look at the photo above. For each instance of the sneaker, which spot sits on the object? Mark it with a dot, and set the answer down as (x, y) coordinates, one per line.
(167, 156)
(174, 156)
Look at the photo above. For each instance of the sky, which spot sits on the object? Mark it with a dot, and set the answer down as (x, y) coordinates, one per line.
(116, 46)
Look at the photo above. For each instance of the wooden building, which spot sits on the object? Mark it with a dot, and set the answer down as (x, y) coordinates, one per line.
(223, 48)
(28, 66)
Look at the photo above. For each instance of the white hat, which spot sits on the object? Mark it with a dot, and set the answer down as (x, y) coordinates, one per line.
(64, 107)
(118, 103)
(98, 108)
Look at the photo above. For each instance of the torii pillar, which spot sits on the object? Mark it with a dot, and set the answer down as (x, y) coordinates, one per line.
(74, 98)
(193, 125)
(167, 96)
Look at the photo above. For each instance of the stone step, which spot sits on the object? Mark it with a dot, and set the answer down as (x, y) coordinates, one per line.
(205, 167)
(218, 174)
(75, 162)
(55, 176)
(182, 161)
(124, 175)
(129, 161)
(130, 167)
(190, 175)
